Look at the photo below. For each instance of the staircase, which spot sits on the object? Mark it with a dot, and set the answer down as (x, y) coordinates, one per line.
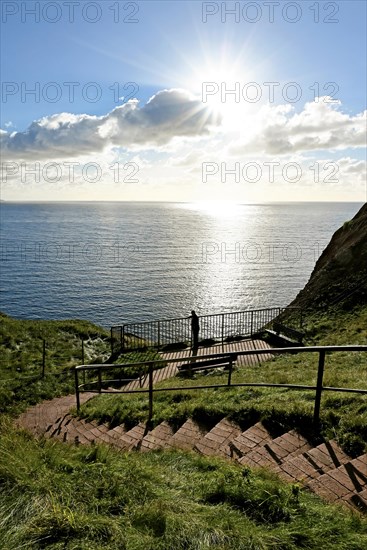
(325, 469)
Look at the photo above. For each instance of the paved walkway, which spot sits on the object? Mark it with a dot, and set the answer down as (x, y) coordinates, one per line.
(231, 347)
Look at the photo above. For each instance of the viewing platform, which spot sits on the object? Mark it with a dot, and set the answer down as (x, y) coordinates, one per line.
(224, 329)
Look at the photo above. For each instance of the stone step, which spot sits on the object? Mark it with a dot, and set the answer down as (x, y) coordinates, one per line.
(347, 483)
(68, 428)
(71, 432)
(187, 436)
(102, 427)
(117, 431)
(359, 501)
(97, 433)
(64, 430)
(53, 428)
(132, 438)
(273, 454)
(216, 442)
(245, 442)
(61, 426)
(40, 418)
(313, 463)
(157, 438)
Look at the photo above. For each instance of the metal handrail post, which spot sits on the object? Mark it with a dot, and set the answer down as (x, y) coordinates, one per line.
(77, 389)
(320, 376)
(150, 392)
(230, 372)
(99, 380)
(43, 358)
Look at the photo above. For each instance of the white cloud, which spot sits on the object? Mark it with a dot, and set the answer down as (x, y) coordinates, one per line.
(319, 126)
(168, 114)
(160, 150)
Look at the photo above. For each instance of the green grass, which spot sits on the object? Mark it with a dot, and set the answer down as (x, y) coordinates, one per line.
(21, 350)
(21, 346)
(343, 416)
(61, 497)
(138, 369)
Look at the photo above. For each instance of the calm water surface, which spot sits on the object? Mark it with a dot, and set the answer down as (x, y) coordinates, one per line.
(114, 263)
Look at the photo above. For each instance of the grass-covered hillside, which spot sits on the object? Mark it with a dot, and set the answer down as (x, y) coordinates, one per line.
(27, 378)
(21, 352)
(57, 496)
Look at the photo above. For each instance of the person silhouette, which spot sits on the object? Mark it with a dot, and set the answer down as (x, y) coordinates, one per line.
(195, 327)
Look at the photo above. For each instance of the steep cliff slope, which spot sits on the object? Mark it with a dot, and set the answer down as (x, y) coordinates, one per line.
(339, 279)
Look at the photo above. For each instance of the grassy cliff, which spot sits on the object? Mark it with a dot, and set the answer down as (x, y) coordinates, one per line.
(339, 279)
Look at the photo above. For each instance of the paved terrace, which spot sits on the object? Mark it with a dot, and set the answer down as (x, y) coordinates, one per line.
(230, 347)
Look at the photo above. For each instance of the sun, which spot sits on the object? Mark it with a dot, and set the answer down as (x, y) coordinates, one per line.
(220, 82)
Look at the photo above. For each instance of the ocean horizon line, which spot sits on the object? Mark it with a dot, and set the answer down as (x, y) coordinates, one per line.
(12, 201)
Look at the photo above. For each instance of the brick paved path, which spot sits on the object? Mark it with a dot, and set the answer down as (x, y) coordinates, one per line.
(38, 419)
(231, 347)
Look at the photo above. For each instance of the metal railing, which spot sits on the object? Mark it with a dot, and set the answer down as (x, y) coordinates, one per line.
(218, 327)
(319, 388)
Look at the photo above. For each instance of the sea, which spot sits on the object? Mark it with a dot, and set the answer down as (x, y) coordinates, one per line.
(123, 262)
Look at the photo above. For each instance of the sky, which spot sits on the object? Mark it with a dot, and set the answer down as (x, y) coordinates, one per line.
(183, 100)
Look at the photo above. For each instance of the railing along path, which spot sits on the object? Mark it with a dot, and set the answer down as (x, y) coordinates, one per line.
(194, 361)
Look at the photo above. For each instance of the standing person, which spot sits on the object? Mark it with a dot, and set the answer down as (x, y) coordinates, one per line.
(195, 327)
